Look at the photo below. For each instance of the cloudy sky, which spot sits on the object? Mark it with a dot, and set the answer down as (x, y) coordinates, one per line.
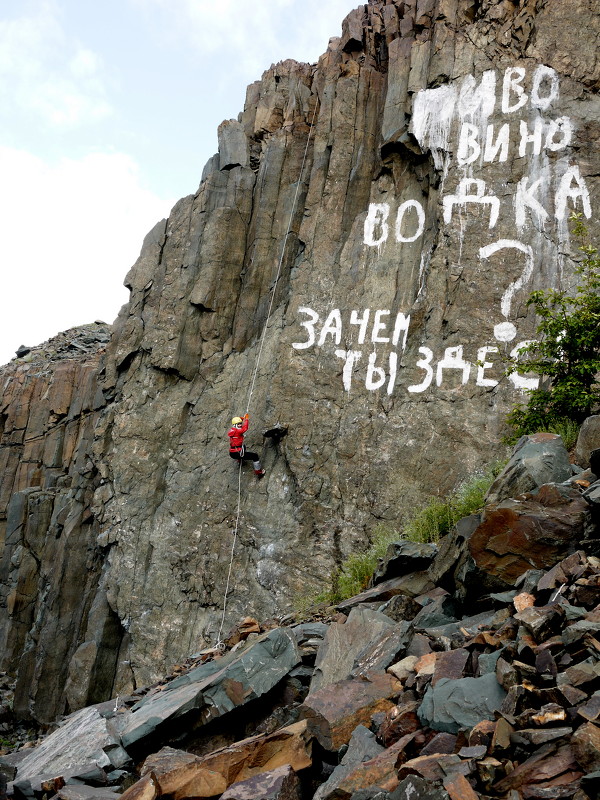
(108, 112)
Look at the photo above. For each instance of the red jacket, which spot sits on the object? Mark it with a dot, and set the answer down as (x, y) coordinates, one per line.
(236, 437)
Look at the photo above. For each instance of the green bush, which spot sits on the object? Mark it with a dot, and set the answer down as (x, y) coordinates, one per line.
(566, 355)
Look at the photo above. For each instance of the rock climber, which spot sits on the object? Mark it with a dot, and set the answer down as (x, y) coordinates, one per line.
(239, 426)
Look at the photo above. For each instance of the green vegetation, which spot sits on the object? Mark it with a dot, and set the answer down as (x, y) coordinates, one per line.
(428, 524)
(567, 354)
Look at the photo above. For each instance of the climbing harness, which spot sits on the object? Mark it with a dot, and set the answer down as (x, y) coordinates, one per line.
(220, 643)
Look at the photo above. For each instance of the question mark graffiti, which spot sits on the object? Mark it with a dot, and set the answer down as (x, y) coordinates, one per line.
(506, 331)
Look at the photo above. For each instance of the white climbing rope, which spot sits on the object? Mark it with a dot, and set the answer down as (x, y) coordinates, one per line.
(220, 644)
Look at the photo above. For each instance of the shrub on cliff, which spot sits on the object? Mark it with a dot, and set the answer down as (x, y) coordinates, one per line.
(566, 355)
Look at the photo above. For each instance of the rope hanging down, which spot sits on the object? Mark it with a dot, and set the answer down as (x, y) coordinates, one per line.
(258, 357)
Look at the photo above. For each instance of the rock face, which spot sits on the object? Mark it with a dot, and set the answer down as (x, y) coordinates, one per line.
(421, 176)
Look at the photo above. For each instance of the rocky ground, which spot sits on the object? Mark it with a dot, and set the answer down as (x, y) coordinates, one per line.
(469, 669)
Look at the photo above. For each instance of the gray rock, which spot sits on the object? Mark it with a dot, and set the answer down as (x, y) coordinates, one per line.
(438, 612)
(454, 704)
(343, 643)
(233, 145)
(380, 653)
(592, 494)
(588, 440)
(362, 747)
(537, 459)
(216, 687)
(404, 557)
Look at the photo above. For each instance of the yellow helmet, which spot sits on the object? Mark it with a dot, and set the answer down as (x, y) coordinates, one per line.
(236, 420)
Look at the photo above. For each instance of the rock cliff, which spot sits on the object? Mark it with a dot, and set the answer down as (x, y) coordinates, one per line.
(353, 266)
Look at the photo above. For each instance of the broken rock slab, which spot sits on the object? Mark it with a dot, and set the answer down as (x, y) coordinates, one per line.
(362, 747)
(587, 440)
(182, 775)
(277, 784)
(217, 687)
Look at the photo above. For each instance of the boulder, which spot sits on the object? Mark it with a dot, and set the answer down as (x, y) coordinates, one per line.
(587, 440)
(538, 530)
(454, 704)
(413, 787)
(537, 459)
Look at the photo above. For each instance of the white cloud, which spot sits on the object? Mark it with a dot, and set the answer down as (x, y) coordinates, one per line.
(255, 32)
(69, 234)
(44, 72)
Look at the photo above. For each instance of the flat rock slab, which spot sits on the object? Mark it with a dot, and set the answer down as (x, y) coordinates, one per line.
(344, 642)
(278, 784)
(181, 775)
(84, 738)
(412, 585)
(334, 711)
(217, 687)
(454, 704)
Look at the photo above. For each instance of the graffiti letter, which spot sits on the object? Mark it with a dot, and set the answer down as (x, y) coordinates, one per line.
(524, 199)
(402, 324)
(472, 99)
(362, 322)
(535, 137)
(468, 146)
(351, 357)
(377, 215)
(501, 143)
(453, 359)
(539, 76)
(333, 326)
(483, 365)
(566, 190)
(462, 197)
(425, 364)
(310, 327)
(400, 217)
(562, 126)
(378, 325)
(513, 77)
(393, 372)
(372, 382)
(518, 380)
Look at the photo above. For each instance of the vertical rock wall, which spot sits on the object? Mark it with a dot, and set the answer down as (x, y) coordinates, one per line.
(426, 168)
